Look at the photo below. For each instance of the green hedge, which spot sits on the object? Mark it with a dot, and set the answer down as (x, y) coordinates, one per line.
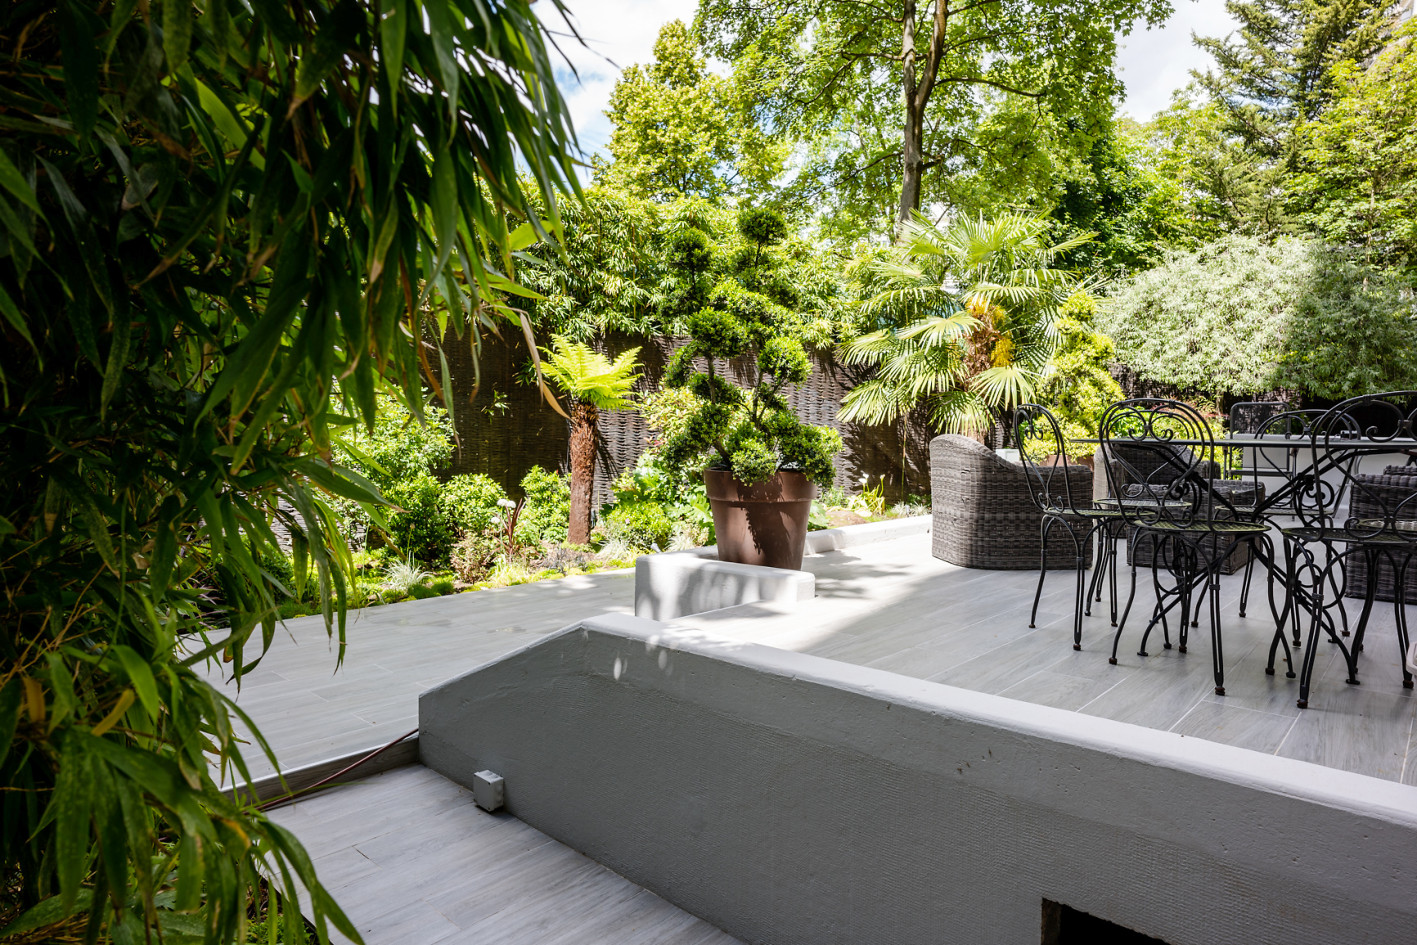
(1241, 316)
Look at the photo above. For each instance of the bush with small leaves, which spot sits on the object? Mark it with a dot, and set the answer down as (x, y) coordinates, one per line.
(547, 510)
(470, 502)
(640, 524)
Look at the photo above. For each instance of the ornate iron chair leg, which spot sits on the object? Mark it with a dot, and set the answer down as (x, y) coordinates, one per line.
(1399, 602)
(1217, 655)
(1245, 586)
(1122, 624)
(1042, 570)
(1306, 674)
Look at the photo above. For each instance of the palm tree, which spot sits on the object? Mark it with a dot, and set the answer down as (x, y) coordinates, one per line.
(592, 382)
(968, 316)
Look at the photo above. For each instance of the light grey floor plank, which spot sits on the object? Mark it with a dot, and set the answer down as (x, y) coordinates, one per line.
(1233, 725)
(1354, 728)
(441, 870)
(888, 605)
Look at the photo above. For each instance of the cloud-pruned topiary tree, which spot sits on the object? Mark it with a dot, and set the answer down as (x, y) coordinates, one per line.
(749, 311)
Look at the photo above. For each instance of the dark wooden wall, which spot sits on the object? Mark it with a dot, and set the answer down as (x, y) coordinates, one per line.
(504, 427)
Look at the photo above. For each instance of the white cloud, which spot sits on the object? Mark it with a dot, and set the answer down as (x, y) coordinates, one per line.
(1154, 63)
(616, 34)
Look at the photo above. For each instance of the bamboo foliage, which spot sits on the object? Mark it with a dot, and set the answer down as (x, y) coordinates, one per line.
(225, 227)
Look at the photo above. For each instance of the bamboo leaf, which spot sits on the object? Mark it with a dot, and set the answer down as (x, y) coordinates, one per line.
(125, 702)
(140, 674)
(176, 32)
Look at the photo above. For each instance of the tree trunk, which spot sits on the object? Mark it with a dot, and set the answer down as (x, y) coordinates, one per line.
(919, 69)
(583, 423)
(911, 157)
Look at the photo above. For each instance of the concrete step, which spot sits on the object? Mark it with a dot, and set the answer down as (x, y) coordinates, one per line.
(411, 859)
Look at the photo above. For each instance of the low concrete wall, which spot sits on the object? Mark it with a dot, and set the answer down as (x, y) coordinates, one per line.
(851, 536)
(678, 584)
(791, 799)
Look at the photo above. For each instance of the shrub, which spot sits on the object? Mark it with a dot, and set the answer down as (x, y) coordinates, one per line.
(548, 507)
(1076, 385)
(641, 524)
(420, 527)
(399, 446)
(1241, 316)
(470, 502)
(475, 555)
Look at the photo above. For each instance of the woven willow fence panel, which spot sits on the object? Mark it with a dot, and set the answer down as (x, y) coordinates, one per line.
(504, 427)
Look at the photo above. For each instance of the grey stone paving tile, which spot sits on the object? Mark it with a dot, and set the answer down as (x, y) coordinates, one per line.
(1233, 725)
(1060, 690)
(1353, 728)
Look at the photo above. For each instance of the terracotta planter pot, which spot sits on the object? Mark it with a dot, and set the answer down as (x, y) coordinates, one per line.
(764, 523)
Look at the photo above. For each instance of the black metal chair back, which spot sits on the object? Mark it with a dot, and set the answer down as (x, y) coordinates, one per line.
(1283, 465)
(1044, 455)
(1250, 416)
(1155, 481)
(1381, 507)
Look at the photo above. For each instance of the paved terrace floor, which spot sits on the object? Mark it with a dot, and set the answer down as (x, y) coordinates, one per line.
(888, 605)
(412, 860)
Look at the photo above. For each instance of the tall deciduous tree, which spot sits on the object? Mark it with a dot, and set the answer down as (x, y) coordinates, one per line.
(1357, 180)
(225, 228)
(1274, 72)
(1224, 186)
(891, 90)
(681, 130)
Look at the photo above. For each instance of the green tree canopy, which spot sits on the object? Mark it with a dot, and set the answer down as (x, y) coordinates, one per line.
(884, 94)
(1121, 196)
(681, 130)
(1241, 316)
(1275, 71)
(225, 229)
(1231, 139)
(602, 274)
(1357, 180)
(1224, 187)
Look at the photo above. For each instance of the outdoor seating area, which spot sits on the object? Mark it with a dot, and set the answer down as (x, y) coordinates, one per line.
(1184, 500)
(886, 606)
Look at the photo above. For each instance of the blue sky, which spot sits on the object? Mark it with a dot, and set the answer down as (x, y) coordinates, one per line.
(620, 33)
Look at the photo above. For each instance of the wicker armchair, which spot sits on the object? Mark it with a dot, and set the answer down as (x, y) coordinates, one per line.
(984, 515)
(1395, 484)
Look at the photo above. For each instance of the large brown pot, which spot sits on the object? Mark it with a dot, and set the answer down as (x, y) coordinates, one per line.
(764, 523)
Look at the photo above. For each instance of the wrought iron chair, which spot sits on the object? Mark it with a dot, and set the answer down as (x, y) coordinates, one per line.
(1163, 492)
(1274, 470)
(1380, 523)
(1051, 480)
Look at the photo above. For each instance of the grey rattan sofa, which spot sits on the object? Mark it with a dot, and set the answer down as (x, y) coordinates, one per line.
(983, 514)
